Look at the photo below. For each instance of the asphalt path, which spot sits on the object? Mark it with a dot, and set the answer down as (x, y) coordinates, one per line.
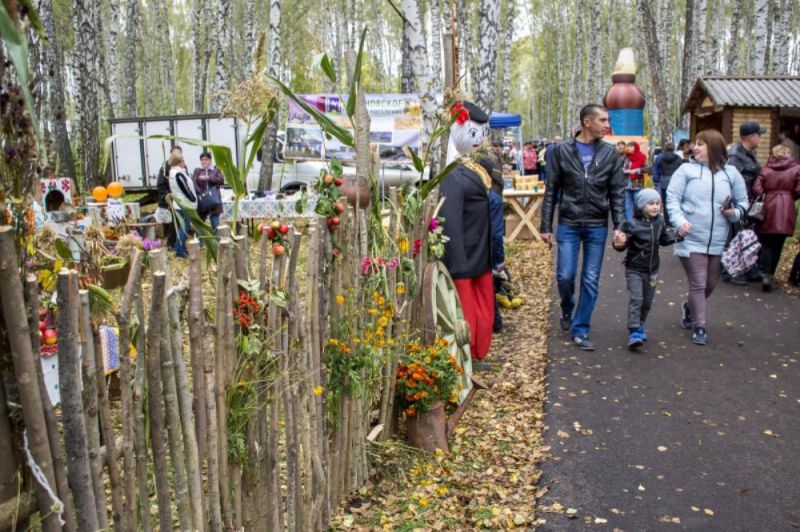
(676, 436)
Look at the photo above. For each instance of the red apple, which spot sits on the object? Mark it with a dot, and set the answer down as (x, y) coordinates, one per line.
(261, 228)
(275, 225)
(284, 229)
(278, 250)
(336, 220)
(338, 182)
(50, 336)
(328, 179)
(270, 233)
(339, 207)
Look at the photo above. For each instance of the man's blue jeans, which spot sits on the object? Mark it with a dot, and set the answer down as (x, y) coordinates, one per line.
(630, 203)
(569, 240)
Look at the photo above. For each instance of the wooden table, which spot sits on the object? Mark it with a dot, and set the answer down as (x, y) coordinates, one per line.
(523, 212)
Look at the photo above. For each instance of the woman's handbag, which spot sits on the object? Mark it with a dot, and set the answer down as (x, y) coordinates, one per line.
(756, 211)
(742, 253)
(208, 201)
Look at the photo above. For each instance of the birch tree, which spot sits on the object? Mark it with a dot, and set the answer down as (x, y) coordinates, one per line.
(86, 42)
(54, 60)
(783, 39)
(406, 72)
(733, 59)
(687, 68)
(436, 45)
(131, 31)
(419, 65)
(222, 46)
(112, 65)
(249, 36)
(700, 50)
(198, 58)
(654, 66)
(484, 87)
(508, 38)
(759, 49)
(274, 57)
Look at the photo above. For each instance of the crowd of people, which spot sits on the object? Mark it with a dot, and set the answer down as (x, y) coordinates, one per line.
(703, 194)
(199, 191)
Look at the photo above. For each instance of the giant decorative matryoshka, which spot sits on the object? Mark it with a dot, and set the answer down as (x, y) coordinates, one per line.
(624, 100)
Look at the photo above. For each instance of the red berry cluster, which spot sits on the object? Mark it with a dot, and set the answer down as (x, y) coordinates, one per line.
(246, 308)
(276, 232)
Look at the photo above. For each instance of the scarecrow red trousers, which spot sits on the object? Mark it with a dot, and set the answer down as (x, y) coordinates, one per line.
(477, 301)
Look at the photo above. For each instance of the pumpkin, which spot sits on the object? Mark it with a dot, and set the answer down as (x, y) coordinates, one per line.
(115, 189)
(100, 194)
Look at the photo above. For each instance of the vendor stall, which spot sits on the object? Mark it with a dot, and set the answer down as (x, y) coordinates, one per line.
(508, 128)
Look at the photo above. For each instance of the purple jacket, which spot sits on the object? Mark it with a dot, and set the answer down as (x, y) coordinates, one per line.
(215, 179)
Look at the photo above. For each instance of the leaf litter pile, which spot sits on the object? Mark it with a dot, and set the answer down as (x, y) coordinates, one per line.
(489, 479)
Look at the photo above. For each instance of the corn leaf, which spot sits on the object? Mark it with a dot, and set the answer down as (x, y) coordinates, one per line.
(356, 77)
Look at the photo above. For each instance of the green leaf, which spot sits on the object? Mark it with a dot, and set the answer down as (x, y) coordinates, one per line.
(428, 186)
(356, 77)
(33, 17)
(17, 49)
(63, 250)
(327, 67)
(329, 126)
(418, 164)
(280, 297)
(336, 167)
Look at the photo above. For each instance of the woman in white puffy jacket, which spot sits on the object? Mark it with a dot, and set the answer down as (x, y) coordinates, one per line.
(704, 197)
(181, 186)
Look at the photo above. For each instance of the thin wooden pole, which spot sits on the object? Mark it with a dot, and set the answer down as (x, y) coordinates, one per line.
(75, 439)
(90, 406)
(197, 351)
(173, 419)
(155, 403)
(223, 308)
(125, 378)
(57, 452)
(107, 428)
(185, 404)
(140, 439)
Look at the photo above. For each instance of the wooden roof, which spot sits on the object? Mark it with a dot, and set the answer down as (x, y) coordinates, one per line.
(745, 91)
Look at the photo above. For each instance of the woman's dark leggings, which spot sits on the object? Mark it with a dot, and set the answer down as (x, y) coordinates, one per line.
(771, 249)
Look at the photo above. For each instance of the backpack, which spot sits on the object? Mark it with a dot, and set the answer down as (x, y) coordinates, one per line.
(742, 253)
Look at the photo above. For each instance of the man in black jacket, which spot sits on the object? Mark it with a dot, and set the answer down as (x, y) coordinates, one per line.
(665, 165)
(743, 154)
(586, 174)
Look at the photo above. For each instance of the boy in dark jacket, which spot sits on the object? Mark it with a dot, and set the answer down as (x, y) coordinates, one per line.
(645, 233)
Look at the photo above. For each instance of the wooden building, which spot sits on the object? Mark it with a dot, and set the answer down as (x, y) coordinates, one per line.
(725, 102)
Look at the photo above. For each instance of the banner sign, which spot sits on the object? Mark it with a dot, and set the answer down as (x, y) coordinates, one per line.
(395, 122)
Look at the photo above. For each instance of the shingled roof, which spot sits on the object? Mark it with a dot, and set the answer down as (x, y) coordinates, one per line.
(753, 91)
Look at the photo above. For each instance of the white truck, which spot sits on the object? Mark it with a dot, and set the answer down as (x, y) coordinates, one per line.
(135, 161)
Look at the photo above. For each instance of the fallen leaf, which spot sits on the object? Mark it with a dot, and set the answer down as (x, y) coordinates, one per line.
(662, 448)
(708, 511)
(600, 521)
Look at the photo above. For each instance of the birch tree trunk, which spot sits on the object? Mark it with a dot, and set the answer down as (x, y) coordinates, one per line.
(249, 37)
(406, 71)
(484, 88)
(700, 51)
(596, 81)
(54, 60)
(197, 56)
(713, 61)
(733, 61)
(436, 45)
(655, 68)
(783, 37)
(86, 43)
(222, 47)
(508, 39)
(687, 70)
(274, 57)
(102, 61)
(419, 65)
(112, 66)
(760, 43)
(132, 34)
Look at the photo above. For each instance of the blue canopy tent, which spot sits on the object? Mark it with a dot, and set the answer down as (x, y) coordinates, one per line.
(509, 121)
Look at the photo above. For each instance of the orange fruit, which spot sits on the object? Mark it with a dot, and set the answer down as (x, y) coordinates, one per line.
(100, 194)
(115, 189)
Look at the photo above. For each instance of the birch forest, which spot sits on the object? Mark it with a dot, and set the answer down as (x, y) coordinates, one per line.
(540, 58)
